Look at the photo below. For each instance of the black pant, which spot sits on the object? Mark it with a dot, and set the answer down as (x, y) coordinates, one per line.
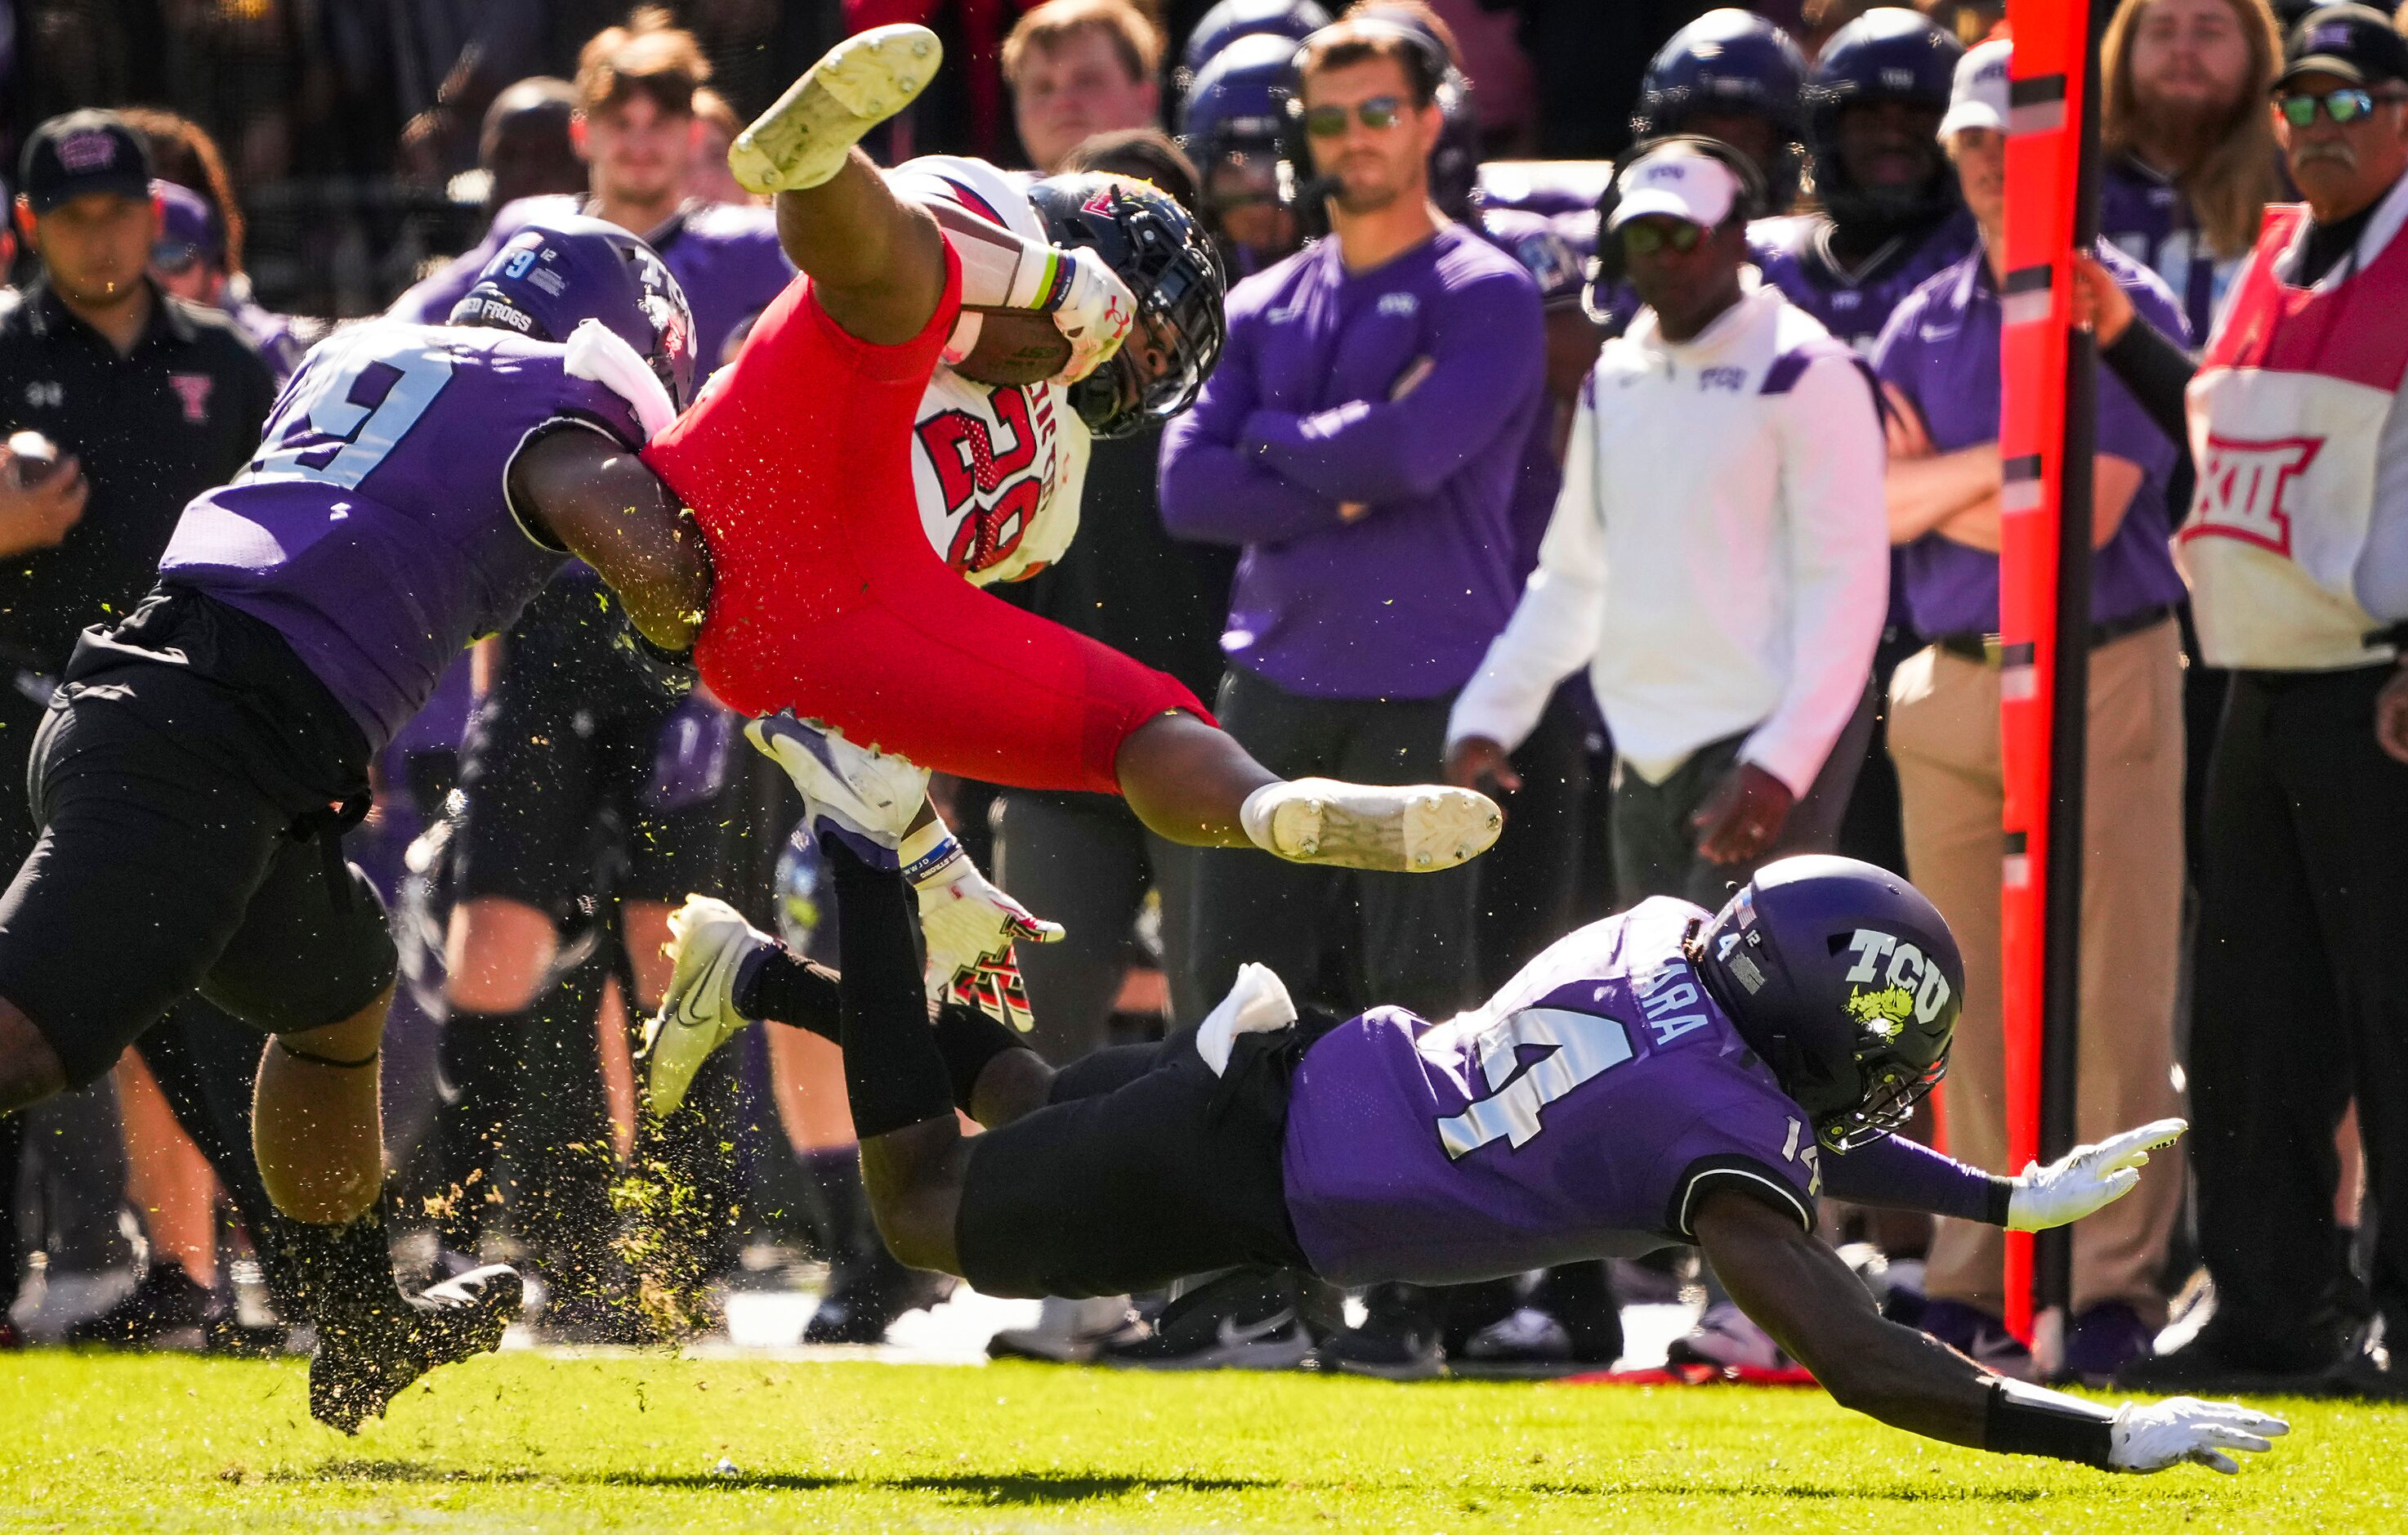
(2300, 998)
(1414, 931)
(1656, 847)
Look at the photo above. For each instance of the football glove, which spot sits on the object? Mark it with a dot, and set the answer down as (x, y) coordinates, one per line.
(1094, 314)
(969, 926)
(2085, 1179)
(2151, 1436)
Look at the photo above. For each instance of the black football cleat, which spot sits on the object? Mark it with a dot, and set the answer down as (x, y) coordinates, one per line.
(166, 1308)
(367, 1355)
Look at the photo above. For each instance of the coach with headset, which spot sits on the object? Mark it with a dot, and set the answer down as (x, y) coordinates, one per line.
(1718, 558)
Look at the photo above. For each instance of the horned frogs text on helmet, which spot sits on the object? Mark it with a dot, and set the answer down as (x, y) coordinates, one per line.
(559, 271)
(1846, 981)
(1144, 236)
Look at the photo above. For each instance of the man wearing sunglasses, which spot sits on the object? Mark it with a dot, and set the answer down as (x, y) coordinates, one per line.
(2296, 549)
(1716, 559)
(1361, 441)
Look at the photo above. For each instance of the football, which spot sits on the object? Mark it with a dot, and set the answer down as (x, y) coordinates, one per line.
(1015, 346)
(36, 458)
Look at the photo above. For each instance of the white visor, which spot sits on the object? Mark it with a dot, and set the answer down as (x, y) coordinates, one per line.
(1676, 182)
(1977, 98)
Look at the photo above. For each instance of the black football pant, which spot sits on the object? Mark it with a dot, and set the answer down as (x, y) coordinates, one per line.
(2300, 1003)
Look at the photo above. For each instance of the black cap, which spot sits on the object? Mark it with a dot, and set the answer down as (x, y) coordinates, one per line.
(2356, 43)
(83, 151)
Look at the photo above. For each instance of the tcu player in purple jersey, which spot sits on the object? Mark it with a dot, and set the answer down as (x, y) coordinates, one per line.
(1667, 1076)
(415, 486)
(1891, 216)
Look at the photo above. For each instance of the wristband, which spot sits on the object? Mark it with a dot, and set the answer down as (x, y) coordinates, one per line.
(2002, 1200)
(929, 853)
(2026, 1420)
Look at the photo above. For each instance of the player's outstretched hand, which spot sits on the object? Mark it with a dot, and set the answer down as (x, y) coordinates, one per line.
(2151, 1436)
(969, 926)
(2087, 1178)
(1094, 316)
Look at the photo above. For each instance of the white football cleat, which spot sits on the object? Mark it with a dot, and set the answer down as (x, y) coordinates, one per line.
(709, 940)
(802, 140)
(1415, 828)
(859, 792)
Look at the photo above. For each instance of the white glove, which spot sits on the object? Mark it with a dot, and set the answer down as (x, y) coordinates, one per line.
(1094, 314)
(2085, 1179)
(969, 926)
(2151, 1436)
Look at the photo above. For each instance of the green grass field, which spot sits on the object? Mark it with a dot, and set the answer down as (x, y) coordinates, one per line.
(527, 1441)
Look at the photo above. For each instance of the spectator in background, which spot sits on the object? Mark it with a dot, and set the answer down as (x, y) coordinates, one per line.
(526, 148)
(1939, 362)
(711, 181)
(189, 260)
(1078, 68)
(2296, 549)
(150, 401)
(2188, 147)
(1362, 439)
(1229, 124)
(1713, 559)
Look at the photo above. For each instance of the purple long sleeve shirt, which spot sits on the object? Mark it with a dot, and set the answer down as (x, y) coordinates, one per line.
(1297, 421)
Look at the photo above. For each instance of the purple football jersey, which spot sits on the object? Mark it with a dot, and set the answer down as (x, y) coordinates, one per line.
(1582, 1113)
(1794, 255)
(2144, 215)
(373, 529)
(726, 259)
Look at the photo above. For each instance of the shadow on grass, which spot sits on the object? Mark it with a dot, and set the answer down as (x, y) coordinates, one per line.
(1028, 1487)
(1897, 1492)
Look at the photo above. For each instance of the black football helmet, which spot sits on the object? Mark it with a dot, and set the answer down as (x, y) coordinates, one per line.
(1731, 60)
(1846, 981)
(1144, 236)
(1889, 53)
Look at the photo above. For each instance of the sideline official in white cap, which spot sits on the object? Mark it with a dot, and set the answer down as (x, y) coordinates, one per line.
(1717, 559)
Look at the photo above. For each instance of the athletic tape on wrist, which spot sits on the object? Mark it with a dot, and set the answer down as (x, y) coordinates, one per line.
(935, 861)
(2027, 1420)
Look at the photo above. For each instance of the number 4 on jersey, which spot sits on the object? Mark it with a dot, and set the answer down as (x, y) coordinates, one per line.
(1584, 1045)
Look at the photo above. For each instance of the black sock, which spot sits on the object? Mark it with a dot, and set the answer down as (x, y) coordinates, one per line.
(893, 1073)
(483, 1060)
(968, 1039)
(778, 985)
(833, 1173)
(346, 1270)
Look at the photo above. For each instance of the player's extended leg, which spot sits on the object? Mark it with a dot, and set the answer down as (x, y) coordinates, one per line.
(876, 262)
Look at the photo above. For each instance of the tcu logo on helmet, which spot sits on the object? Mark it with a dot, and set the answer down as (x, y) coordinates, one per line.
(1885, 995)
(2243, 486)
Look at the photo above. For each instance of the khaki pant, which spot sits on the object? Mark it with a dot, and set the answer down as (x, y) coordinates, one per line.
(1944, 735)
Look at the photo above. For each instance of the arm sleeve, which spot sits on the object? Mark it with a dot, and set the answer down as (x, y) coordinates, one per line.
(1832, 457)
(1556, 626)
(1214, 491)
(1896, 1173)
(1487, 355)
(2156, 370)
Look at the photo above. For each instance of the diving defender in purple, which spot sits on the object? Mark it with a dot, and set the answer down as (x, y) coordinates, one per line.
(1665, 1076)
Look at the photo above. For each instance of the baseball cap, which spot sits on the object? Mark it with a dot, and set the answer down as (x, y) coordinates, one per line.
(77, 152)
(1675, 181)
(188, 227)
(1977, 98)
(2353, 42)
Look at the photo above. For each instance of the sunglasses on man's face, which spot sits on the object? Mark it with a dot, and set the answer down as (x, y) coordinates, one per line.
(1379, 114)
(1646, 237)
(2346, 106)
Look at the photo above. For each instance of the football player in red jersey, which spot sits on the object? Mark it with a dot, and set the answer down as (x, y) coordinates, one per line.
(826, 600)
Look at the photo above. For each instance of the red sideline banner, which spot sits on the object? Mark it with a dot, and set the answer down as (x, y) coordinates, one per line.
(2043, 159)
